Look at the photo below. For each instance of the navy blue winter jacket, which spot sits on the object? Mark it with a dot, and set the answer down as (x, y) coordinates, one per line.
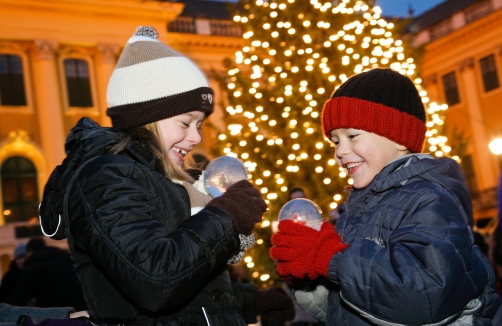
(411, 258)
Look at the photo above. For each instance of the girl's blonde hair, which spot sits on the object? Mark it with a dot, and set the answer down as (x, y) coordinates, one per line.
(150, 137)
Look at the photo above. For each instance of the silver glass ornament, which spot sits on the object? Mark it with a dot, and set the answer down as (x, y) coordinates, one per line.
(221, 173)
(302, 210)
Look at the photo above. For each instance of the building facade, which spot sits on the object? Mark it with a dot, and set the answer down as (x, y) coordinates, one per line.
(56, 57)
(462, 66)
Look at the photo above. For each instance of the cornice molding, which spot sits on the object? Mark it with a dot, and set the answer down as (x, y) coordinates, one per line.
(430, 80)
(137, 9)
(44, 49)
(14, 46)
(75, 50)
(107, 53)
(466, 34)
(467, 63)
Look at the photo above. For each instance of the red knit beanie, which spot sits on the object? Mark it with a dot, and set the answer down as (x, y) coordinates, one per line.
(381, 101)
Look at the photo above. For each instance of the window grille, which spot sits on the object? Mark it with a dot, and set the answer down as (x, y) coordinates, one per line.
(451, 89)
(489, 73)
(12, 90)
(78, 83)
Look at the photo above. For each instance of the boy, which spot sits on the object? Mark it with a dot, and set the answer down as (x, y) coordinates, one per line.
(407, 256)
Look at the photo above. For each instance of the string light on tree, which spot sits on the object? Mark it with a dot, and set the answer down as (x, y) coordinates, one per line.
(296, 53)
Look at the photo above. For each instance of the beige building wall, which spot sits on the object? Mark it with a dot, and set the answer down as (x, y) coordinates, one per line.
(46, 32)
(478, 115)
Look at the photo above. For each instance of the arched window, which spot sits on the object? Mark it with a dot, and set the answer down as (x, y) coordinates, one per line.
(12, 90)
(19, 189)
(78, 83)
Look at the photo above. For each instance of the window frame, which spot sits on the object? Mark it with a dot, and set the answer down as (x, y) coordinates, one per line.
(454, 72)
(16, 50)
(78, 110)
(481, 75)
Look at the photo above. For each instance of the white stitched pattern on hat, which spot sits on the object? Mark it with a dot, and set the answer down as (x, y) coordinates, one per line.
(146, 31)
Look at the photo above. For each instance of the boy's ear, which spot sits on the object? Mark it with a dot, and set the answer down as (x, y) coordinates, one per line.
(401, 148)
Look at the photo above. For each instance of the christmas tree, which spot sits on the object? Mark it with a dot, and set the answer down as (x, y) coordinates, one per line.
(297, 53)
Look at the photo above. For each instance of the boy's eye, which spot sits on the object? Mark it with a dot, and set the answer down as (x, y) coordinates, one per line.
(186, 124)
(352, 136)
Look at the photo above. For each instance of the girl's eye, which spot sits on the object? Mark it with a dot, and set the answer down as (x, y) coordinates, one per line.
(352, 136)
(185, 124)
(335, 142)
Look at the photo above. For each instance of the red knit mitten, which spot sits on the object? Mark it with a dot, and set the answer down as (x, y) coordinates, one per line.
(243, 202)
(304, 252)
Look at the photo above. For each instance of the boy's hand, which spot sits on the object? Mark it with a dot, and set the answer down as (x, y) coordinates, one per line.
(304, 252)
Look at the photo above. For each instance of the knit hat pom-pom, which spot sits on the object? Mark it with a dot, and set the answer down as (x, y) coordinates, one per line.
(146, 31)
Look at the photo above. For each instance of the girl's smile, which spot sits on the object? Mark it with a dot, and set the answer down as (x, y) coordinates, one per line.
(180, 134)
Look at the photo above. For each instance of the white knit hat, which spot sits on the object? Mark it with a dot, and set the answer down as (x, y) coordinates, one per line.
(152, 82)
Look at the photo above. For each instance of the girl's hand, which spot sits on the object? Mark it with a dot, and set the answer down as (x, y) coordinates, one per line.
(243, 202)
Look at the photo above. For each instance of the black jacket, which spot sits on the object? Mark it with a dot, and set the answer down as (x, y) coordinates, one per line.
(48, 276)
(140, 256)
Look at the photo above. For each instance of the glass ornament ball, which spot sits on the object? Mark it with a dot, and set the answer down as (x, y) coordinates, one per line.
(221, 173)
(304, 211)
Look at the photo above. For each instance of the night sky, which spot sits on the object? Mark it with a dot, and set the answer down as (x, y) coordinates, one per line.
(400, 7)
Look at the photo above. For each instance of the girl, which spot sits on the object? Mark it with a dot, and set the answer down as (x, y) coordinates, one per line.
(121, 195)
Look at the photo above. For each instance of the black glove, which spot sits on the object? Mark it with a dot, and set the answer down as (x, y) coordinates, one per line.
(275, 306)
(243, 202)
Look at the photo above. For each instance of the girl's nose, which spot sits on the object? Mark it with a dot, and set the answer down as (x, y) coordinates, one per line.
(194, 135)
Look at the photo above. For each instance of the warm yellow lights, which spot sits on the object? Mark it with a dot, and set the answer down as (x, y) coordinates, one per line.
(287, 68)
(264, 277)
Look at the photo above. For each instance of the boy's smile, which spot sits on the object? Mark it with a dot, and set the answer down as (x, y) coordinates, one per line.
(352, 167)
(364, 154)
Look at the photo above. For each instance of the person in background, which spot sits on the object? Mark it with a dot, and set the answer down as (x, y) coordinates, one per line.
(48, 279)
(11, 277)
(403, 252)
(334, 214)
(297, 192)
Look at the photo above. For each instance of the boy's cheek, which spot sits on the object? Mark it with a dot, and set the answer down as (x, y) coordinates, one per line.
(337, 160)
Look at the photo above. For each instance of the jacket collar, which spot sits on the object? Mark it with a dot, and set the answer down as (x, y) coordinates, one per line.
(142, 155)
